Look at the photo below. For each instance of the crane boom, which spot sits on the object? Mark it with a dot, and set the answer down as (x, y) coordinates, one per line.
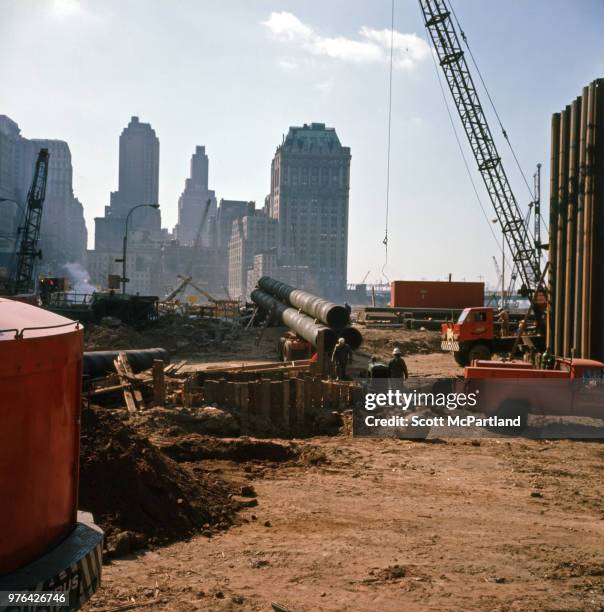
(440, 27)
(30, 232)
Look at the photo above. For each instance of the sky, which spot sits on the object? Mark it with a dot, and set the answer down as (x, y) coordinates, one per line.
(233, 75)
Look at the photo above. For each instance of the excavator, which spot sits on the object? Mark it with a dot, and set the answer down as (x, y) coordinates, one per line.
(474, 335)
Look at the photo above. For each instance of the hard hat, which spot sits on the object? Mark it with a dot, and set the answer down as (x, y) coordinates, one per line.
(396, 351)
(341, 341)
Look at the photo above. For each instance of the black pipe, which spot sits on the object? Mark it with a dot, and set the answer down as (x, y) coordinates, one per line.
(329, 313)
(302, 324)
(100, 363)
(353, 337)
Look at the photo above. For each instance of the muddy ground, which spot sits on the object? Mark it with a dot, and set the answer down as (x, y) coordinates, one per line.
(341, 523)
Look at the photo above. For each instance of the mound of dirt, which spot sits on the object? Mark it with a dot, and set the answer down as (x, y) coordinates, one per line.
(130, 486)
(177, 334)
(381, 342)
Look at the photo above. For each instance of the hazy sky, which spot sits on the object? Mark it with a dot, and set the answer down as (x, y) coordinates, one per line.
(233, 75)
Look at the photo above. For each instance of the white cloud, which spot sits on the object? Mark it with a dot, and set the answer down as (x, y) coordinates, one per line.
(287, 63)
(372, 46)
(66, 8)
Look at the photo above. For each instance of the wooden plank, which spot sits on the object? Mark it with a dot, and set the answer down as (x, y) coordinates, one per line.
(159, 383)
(300, 404)
(110, 389)
(123, 376)
(285, 409)
(264, 406)
(260, 366)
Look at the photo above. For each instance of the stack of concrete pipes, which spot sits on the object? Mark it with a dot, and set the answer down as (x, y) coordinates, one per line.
(306, 314)
(576, 251)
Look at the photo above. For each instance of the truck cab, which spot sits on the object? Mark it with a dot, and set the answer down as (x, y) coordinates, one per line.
(471, 337)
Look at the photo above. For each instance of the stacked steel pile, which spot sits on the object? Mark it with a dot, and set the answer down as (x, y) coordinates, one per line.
(576, 314)
(307, 314)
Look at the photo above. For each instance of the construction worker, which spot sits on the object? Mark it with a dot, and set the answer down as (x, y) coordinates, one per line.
(341, 357)
(548, 360)
(397, 365)
(504, 318)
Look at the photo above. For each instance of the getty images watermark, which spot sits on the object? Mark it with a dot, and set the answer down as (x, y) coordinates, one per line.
(431, 408)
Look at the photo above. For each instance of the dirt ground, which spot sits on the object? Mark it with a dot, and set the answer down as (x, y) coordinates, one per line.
(342, 523)
(392, 525)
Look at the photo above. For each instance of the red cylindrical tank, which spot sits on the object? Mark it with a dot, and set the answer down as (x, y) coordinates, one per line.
(436, 294)
(40, 396)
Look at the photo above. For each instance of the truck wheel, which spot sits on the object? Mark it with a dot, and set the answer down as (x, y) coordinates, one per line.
(511, 409)
(480, 352)
(461, 358)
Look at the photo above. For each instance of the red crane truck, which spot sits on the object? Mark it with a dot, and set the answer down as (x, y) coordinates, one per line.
(572, 387)
(478, 336)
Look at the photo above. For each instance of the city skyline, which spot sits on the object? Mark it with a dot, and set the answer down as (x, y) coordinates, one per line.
(327, 66)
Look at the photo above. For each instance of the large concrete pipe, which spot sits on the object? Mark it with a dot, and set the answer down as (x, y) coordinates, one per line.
(571, 217)
(302, 324)
(588, 222)
(578, 289)
(598, 252)
(553, 230)
(559, 347)
(329, 313)
(100, 363)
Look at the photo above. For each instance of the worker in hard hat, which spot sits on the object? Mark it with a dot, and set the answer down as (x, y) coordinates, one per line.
(340, 358)
(503, 316)
(397, 366)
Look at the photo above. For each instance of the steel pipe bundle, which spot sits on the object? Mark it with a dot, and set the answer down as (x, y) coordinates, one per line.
(576, 242)
(302, 324)
(329, 313)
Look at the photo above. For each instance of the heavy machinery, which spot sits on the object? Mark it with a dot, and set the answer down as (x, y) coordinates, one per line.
(28, 251)
(439, 24)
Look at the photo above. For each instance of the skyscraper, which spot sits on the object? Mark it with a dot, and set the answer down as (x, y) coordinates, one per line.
(138, 184)
(310, 181)
(63, 232)
(192, 204)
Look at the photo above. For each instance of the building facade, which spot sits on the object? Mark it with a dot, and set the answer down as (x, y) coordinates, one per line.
(138, 184)
(310, 182)
(63, 233)
(250, 235)
(193, 202)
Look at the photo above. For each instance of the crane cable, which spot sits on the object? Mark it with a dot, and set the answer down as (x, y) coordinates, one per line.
(385, 241)
(503, 130)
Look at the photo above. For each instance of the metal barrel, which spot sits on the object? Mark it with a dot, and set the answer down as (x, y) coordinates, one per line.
(302, 324)
(100, 363)
(333, 315)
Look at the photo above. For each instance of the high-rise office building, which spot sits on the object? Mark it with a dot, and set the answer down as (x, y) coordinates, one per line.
(310, 181)
(193, 202)
(63, 232)
(138, 184)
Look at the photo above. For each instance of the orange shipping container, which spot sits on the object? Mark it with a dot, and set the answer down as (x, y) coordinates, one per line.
(436, 294)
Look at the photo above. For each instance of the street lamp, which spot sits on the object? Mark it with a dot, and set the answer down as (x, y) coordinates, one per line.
(125, 242)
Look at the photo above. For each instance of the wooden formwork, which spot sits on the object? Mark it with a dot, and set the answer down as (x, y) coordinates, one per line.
(287, 401)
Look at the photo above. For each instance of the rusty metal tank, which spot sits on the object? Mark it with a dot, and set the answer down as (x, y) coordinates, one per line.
(40, 397)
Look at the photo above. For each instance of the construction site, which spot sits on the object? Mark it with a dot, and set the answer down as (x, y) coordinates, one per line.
(159, 452)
